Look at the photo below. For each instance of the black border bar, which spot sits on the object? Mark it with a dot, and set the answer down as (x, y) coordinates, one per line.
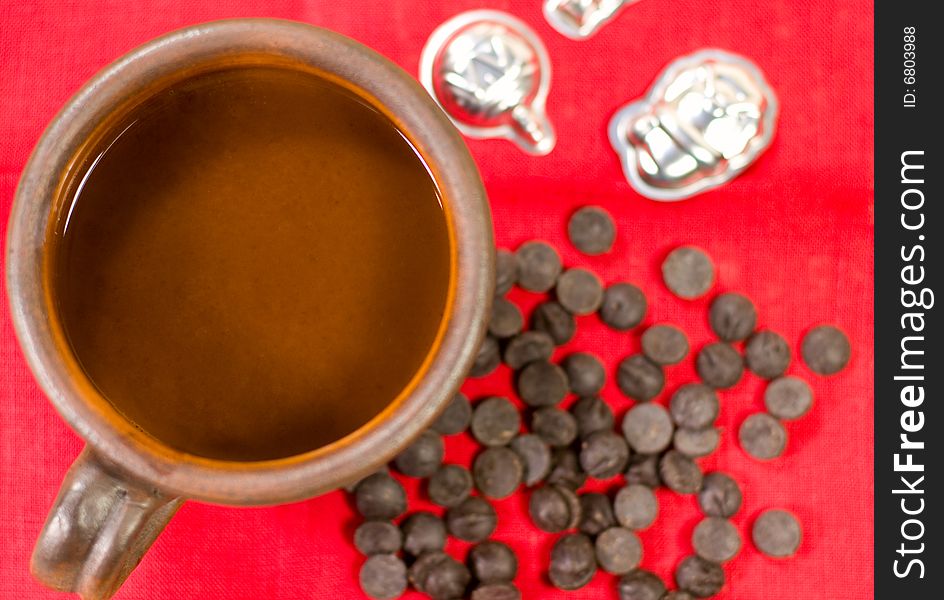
(909, 432)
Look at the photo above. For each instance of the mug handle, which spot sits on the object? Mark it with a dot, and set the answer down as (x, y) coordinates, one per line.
(98, 529)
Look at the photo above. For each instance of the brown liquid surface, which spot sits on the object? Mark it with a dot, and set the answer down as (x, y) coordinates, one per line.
(255, 266)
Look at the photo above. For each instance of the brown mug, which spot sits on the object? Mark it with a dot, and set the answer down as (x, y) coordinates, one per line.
(125, 486)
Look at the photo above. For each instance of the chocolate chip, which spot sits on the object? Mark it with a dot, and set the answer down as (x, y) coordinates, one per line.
(506, 319)
(573, 562)
(506, 271)
(472, 520)
(696, 442)
(596, 513)
(732, 317)
(456, 416)
(699, 577)
(767, 354)
(720, 495)
(383, 576)
(591, 230)
(495, 421)
(554, 508)
(538, 266)
(680, 473)
(449, 485)
(527, 347)
(496, 591)
(556, 426)
(423, 566)
(640, 378)
(618, 550)
(565, 469)
(635, 506)
(486, 359)
(542, 383)
(664, 344)
(716, 540)
(492, 562)
(553, 319)
(688, 272)
(423, 532)
(624, 306)
(550, 509)
(694, 405)
(497, 472)
(585, 373)
(439, 576)
(648, 428)
(826, 350)
(422, 457)
(788, 397)
(573, 502)
(640, 584)
(719, 365)
(380, 496)
(603, 454)
(762, 436)
(378, 537)
(535, 455)
(352, 487)
(592, 414)
(579, 291)
(777, 533)
(644, 470)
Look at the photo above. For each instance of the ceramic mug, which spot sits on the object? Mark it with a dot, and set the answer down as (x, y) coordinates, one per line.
(125, 486)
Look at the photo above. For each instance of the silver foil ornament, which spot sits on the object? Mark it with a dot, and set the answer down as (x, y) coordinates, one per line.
(706, 118)
(580, 19)
(491, 74)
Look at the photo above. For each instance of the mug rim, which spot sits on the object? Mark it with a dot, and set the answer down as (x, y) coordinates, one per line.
(119, 443)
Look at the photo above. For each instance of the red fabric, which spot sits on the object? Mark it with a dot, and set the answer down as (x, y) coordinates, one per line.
(794, 233)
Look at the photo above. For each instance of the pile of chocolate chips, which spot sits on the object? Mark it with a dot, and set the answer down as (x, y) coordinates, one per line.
(653, 447)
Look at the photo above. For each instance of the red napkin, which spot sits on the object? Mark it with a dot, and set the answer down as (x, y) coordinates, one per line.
(794, 233)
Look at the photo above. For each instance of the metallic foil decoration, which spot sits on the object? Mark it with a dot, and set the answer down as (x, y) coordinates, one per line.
(491, 74)
(706, 118)
(580, 19)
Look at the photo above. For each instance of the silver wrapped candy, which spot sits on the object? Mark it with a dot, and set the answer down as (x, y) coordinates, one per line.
(491, 74)
(706, 118)
(579, 19)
